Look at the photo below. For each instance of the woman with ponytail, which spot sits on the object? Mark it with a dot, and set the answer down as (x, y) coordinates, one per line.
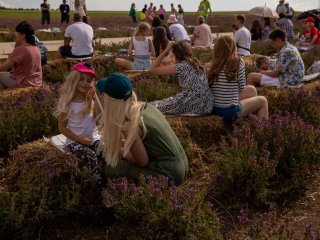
(195, 97)
(23, 66)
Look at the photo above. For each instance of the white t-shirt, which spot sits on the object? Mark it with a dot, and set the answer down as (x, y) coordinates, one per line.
(79, 8)
(82, 36)
(178, 32)
(243, 39)
(83, 126)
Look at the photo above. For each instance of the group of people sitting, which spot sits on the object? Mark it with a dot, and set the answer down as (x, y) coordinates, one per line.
(135, 137)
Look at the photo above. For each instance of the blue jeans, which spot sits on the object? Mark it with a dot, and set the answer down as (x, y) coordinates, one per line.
(228, 114)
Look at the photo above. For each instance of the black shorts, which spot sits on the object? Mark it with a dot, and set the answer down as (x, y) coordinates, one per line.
(65, 52)
(161, 16)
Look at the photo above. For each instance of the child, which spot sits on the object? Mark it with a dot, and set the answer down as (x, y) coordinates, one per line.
(142, 47)
(227, 80)
(78, 110)
(160, 42)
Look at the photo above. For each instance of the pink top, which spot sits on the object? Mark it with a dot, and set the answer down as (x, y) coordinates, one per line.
(202, 35)
(27, 69)
(162, 11)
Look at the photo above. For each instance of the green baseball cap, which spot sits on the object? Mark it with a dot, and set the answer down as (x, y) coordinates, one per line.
(116, 85)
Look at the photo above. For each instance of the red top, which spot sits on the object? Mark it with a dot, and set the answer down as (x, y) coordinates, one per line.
(309, 34)
(27, 69)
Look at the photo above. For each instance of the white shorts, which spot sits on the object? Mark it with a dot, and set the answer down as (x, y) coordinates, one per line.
(269, 81)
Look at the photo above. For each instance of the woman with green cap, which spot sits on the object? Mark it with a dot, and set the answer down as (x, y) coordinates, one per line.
(137, 139)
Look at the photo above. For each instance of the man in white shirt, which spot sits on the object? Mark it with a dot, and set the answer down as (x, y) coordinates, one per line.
(178, 32)
(81, 35)
(242, 36)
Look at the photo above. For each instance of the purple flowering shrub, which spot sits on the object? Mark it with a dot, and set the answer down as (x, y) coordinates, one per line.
(26, 114)
(262, 226)
(156, 207)
(41, 185)
(150, 87)
(303, 102)
(266, 161)
(262, 48)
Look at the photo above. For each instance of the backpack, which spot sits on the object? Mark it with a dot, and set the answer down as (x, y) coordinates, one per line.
(43, 51)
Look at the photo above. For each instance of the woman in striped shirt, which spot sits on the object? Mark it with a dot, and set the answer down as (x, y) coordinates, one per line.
(227, 82)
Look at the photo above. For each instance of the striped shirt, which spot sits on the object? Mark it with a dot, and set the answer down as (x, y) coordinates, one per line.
(226, 93)
(141, 48)
(287, 26)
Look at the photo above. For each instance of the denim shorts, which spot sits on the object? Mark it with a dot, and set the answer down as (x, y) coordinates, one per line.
(228, 114)
(141, 63)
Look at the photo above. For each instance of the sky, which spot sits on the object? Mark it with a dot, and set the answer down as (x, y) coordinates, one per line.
(188, 5)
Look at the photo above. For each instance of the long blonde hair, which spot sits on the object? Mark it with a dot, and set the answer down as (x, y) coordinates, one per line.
(141, 29)
(67, 93)
(116, 114)
(225, 59)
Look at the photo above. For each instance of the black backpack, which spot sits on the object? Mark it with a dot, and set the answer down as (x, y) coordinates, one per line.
(43, 51)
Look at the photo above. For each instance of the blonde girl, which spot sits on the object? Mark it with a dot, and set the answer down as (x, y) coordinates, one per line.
(143, 50)
(227, 81)
(137, 138)
(81, 7)
(78, 110)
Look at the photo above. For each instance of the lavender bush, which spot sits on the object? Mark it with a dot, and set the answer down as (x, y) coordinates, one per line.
(26, 114)
(156, 209)
(267, 161)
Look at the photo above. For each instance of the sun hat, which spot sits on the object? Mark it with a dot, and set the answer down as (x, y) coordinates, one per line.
(286, 3)
(172, 19)
(309, 19)
(116, 85)
(84, 68)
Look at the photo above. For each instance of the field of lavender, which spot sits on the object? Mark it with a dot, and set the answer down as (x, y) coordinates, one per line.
(249, 180)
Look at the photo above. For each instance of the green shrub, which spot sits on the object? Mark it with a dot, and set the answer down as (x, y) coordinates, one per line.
(26, 115)
(156, 209)
(267, 161)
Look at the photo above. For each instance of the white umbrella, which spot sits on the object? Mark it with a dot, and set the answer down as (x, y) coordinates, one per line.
(264, 12)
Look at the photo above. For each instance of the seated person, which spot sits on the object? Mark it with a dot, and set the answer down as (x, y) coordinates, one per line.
(178, 32)
(227, 80)
(156, 22)
(256, 30)
(143, 49)
(23, 66)
(311, 33)
(160, 42)
(265, 63)
(137, 139)
(202, 35)
(289, 71)
(195, 96)
(81, 36)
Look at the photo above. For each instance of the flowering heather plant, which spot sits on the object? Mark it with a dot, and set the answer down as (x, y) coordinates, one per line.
(263, 48)
(26, 114)
(262, 226)
(156, 207)
(303, 102)
(269, 160)
(150, 87)
(43, 184)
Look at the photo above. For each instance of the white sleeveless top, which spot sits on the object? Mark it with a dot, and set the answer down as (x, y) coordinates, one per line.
(141, 48)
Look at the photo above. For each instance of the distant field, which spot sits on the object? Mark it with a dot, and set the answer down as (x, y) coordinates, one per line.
(31, 14)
